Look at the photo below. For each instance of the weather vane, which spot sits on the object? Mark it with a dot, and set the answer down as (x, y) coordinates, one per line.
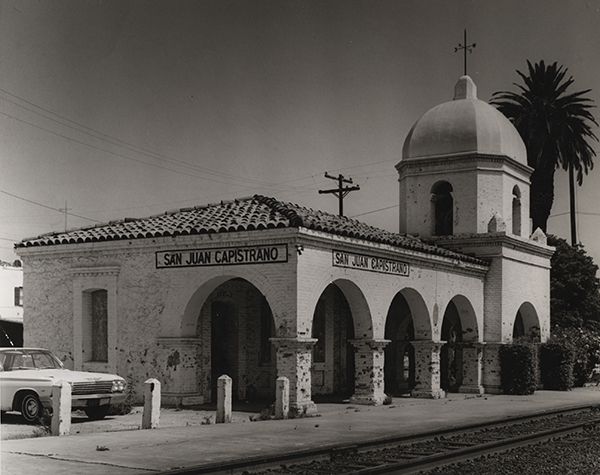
(466, 48)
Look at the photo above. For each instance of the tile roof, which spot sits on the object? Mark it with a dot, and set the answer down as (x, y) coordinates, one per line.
(245, 214)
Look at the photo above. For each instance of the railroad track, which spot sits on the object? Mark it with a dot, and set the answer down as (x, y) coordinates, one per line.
(414, 454)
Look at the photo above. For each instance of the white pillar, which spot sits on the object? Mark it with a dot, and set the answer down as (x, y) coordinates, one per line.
(427, 369)
(472, 354)
(282, 398)
(294, 361)
(368, 363)
(224, 384)
(61, 408)
(151, 414)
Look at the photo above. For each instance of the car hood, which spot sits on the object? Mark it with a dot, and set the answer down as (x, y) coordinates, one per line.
(61, 375)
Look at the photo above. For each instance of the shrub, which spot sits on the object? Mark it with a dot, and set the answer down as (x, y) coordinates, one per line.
(518, 368)
(556, 364)
(585, 345)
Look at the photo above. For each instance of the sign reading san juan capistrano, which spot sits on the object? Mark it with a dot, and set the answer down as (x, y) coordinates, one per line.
(369, 263)
(224, 256)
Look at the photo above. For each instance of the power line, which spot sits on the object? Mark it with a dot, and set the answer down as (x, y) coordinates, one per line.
(117, 141)
(374, 211)
(585, 213)
(59, 210)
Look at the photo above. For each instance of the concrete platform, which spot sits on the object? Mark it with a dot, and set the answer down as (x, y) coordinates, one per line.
(147, 451)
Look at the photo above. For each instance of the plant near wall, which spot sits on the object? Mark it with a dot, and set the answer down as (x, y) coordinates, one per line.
(574, 287)
(556, 366)
(585, 345)
(518, 368)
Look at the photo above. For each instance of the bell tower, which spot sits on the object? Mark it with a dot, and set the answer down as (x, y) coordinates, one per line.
(464, 186)
(463, 163)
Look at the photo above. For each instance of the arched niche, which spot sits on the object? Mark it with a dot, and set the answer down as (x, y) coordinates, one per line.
(526, 326)
(442, 209)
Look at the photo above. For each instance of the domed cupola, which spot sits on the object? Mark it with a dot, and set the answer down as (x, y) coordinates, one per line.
(463, 163)
(464, 125)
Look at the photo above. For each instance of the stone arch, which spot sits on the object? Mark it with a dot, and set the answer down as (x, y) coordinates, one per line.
(202, 291)
(407, 320)
(442, 208)
(233, 325)
(419, 312)
(334, 327)
(459, 327)
(527, 324)
(359, 307)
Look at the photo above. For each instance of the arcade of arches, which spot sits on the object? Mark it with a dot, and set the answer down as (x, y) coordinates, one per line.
(238, 333)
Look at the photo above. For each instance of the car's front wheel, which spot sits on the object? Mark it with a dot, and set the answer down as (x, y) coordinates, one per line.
(31, 407)
(96, 413)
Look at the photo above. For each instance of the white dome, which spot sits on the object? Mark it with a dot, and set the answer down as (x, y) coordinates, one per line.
(464, 125)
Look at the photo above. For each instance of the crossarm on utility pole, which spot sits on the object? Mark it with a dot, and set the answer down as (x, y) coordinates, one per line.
(341, 191)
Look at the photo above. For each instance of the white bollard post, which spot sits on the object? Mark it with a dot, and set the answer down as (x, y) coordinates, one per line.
(151, 414)
(282, 398)
(224, 384)
(61, 408)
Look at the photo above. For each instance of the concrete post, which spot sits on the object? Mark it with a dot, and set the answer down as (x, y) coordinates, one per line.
(282, 398)
(224, 384)
(151, 414)
(472, 354)
(294, 361)
(427, 369)
(368, 364)
(61, 408)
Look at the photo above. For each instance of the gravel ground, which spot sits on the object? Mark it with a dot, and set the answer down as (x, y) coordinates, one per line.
(576, 454)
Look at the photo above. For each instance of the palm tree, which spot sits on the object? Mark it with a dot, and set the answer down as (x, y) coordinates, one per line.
(557, 130)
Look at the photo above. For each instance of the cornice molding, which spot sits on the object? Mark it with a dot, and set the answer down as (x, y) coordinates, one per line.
(94, 271)
(469, 157)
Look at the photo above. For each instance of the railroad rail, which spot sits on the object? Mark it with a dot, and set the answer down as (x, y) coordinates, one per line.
(411, 454)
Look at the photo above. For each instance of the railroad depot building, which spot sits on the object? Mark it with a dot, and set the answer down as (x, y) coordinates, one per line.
(257, 288)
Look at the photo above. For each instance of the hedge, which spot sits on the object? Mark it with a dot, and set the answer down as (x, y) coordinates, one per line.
(556, 364)
(518, 364)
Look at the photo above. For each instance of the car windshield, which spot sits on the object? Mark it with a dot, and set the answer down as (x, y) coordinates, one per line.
(29, 359)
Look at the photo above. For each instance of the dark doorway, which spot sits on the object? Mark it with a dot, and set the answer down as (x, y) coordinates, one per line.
(333, 355)
(224, 344)
(451, 360)
(399, 370)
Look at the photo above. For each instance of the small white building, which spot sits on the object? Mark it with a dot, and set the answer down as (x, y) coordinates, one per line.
(11, 303)
(257, 288)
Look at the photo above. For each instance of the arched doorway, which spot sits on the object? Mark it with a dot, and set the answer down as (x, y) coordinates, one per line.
(333, 355)
(526, 326)
(451, 369)
(399, 363)
(460, 333)
(234, 326)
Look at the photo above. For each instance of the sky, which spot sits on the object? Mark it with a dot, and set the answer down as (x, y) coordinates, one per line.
(131, 108)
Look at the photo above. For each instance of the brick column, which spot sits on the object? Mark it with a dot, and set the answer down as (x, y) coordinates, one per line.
(427, 369)
(294, 361)
(472, 355)
(491, 368)
(368, 364)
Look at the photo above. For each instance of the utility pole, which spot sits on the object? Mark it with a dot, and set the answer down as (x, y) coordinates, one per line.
(466, 48)
(341, 191)
(65, 209)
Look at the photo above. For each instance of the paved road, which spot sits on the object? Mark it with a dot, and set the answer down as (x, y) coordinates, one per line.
(138, 451)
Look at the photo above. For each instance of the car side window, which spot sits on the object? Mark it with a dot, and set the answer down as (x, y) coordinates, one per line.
(43, 361)
(22, 361)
